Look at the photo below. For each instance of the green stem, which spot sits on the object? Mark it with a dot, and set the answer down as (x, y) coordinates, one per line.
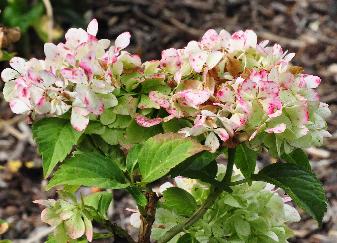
(230, 165)
(239, 182)
(212, 197)
(118, 232)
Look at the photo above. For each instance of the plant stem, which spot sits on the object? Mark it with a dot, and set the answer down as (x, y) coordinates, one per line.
(239, 182)
(148, 218)
(230, 165)
(212, 197)
(120, 234)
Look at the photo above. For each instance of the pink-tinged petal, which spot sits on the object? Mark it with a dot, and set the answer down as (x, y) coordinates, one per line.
(37, 96)
(277, 129)
(19, 106)
(75, 226)
(193, 98)
(268, 89)
(51, 51)
(19, 64)
(277, 50)
(46, 203)
(129, 61)
(213, 59)
(289, 57)
(242, 40)
(225, 94)
(160, 99)
(263, 43)
(92, 27)
(198, 60)
(212, 142)
(75, 37)
(243, 106)
(193, 131)
(88, 228)
(272, 106)
(310, 81)
(104, 43)
(222, 133)
(237, 121)
(79, 118)
(210, 39)
(171, 61)
(250, 39)
(122, 41)
(192, 47)
(50, 217)
(9, 74)
(74, 75)
(147, 122)
(178, 76)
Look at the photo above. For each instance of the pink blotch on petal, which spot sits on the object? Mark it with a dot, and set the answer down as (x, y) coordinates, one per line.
(197, 60)
(210, 38)
(311, 81)
(277, 129)
(159, 99)
(147, 122)
(194, 98)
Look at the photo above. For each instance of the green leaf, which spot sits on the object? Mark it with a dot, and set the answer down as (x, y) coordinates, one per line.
(108, 117)
(139, 197)
(299, 157)
(201, 166)
(163, 152)
(175, 125)
(242, 227)
(132, 157)
(245, 160)
(89, 169)
(153, 84)
(187, 238)
(301, 185)
(121, 121)
(147, 103)
(100, 201)
(138, 134)
(179, 201)
(17, 13)
(127, 105)
(95, 128)
(55, 138)
(113, 136)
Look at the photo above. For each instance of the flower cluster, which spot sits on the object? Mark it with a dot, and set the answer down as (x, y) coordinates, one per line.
(230, 87)
(233, 86)
(80, 75)
(255, 213)
(68, 218)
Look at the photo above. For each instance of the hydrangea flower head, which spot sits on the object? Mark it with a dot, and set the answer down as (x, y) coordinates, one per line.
(232, 87)
(78, 75)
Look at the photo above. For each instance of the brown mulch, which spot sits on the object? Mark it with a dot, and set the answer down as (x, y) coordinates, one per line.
(307, 27)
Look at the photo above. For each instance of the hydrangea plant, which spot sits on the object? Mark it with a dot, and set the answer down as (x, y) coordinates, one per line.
(103, 118)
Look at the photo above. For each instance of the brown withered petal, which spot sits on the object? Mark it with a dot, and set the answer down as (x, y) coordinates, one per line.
(233, 66)
(9, 36)
(295, 70)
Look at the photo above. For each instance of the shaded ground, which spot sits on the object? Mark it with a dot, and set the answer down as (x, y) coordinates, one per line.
(307, 27)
